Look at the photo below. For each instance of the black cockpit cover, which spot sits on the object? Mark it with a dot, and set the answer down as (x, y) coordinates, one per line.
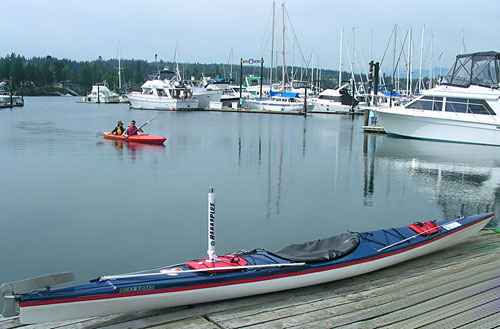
(321, 250)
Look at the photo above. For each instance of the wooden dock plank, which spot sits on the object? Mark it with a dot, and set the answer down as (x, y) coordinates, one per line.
(468, 317)
(490, 322)
(429, 311)
(9, 323)
(191, 323)
(446, 307)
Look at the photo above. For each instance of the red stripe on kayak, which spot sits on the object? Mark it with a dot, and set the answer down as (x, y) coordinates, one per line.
(213, 285)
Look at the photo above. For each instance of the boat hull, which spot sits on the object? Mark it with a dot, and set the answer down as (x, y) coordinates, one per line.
(144, 102)
(16, 101)
(219, 286)
(333, 107)
(101, 100)
(273, 106)
(205, 97)
(450, 127)
(144, 138)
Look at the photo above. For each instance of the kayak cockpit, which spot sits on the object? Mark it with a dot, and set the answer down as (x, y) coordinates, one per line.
(321, 250)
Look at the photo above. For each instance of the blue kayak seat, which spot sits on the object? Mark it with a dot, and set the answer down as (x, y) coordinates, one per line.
(320, 250)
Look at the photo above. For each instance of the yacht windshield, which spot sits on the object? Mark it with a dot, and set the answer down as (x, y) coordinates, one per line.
(480, 69)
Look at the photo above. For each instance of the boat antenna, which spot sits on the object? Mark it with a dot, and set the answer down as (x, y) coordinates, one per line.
(212, 257)
(157, 65)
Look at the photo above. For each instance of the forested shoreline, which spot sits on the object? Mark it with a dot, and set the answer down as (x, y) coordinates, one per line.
(49, 75)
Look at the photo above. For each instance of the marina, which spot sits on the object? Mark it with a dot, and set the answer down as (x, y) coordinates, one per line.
(358, 182)
(425, 179)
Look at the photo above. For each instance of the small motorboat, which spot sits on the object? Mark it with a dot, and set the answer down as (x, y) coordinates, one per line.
(143, 138)
(234, 275)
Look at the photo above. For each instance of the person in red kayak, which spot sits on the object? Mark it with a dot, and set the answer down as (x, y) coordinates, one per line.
(119, 129)
(132, 129)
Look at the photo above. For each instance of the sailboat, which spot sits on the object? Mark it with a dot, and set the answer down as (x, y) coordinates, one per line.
(281, 101)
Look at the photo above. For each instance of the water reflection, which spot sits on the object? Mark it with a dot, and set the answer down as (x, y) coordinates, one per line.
(132, 149)
(462, 179)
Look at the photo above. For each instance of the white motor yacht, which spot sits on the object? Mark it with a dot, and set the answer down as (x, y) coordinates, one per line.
(463, 108)
(163, 95)
(301, 87)
(101, 94)
(229, 95)
(199, 92)
(205, 96)
(335, 101)
(279, 102)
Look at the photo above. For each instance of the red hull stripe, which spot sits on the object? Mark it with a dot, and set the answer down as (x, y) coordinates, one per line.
(213, 285)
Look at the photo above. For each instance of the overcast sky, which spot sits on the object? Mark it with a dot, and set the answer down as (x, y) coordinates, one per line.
(207, 30)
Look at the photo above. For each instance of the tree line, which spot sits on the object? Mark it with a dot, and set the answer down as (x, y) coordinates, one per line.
(48, 75)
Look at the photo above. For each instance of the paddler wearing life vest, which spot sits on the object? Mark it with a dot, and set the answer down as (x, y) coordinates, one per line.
(132, 129)
(119, 129)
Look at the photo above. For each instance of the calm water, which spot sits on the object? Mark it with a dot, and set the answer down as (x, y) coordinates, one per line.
(73, 201)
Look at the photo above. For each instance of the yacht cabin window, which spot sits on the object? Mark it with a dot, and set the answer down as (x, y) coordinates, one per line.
(330, 98)
(457, 105)
(428, 103)
(161, 92)
(147, 91)
(465, 105)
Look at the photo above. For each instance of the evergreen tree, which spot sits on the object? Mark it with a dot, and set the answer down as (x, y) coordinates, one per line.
(86, 79)
(16, 70)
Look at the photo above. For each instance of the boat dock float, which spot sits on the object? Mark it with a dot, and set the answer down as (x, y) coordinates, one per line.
(457, 287)
(374, 129)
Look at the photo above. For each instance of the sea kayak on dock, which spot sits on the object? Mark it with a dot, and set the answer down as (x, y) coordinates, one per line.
(143, 138)
(237, 274)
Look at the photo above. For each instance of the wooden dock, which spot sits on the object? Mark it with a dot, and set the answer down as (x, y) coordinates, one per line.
(374, 129)
(458, 287)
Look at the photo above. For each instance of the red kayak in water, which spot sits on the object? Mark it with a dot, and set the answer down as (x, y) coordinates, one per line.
(144, 138)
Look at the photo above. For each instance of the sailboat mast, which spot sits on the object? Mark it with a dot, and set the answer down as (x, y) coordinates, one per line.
(312, 68)
(283, 47)
(352, 63)
(408, 82)
(231, 61)
(119, 67)
(421, 58)
(176, 61)
(272, 53)
(431, 72)
(340, 56)
(394, 56)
